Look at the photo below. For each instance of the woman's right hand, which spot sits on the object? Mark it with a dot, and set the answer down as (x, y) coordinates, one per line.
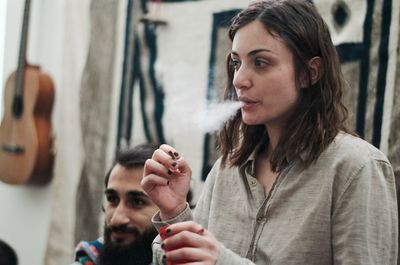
(189, 243)
(166, 179)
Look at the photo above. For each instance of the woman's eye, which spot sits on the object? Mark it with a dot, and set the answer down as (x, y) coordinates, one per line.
(235, 64)
(259, 63)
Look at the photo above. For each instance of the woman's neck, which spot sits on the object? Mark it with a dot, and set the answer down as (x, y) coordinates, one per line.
(263, 170)
(274, 134)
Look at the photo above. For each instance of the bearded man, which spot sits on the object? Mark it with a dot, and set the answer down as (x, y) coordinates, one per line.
(128, 230)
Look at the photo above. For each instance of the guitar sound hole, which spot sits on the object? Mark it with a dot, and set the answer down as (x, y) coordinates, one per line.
(16, 149)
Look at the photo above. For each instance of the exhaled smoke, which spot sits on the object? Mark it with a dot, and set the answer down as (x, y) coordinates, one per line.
(217, 113)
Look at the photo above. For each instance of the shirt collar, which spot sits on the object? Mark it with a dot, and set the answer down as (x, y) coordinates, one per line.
(249, 164)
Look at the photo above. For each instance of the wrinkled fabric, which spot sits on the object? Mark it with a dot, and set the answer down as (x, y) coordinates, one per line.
(342, 209)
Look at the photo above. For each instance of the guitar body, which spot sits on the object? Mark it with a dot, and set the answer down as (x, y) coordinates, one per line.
(26, 154)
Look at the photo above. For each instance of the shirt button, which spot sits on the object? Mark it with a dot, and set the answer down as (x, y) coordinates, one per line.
(253, 182)
(260, 219)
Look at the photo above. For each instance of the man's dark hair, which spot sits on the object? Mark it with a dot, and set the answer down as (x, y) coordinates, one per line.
(136, 158)
(7, 254)
(132, 157)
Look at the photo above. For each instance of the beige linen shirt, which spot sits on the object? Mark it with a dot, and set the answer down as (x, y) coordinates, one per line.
(340, 210)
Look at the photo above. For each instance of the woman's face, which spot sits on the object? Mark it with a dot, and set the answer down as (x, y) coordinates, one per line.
(264, 77)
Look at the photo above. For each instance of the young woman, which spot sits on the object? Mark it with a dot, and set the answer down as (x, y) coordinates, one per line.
(293, 184)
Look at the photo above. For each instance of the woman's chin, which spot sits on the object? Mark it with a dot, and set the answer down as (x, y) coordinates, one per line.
(250, 122)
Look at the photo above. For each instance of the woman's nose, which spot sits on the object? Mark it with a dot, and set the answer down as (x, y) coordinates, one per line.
(242, 78)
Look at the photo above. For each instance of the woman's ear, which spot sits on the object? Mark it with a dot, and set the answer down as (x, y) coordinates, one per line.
(316, 70)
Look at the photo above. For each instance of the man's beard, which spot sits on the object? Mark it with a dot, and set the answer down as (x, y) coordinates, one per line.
(137, 252)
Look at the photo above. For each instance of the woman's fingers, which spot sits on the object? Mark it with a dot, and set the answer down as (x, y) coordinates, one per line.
(164, 159)
(188, 255)
(169, 150)
(153, 167)
(166, 179)
(150, 181)
(189, 242)
(183, 239)
(183, 226)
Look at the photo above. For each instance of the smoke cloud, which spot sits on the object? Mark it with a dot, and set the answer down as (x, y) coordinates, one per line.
(216, 115)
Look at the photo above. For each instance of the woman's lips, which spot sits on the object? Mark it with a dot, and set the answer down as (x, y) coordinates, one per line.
(247, 102)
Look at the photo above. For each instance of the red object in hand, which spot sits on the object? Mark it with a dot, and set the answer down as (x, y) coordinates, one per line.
(163, 232)
(163, 235)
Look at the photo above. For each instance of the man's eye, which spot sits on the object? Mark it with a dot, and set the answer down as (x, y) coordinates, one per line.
(111, 199)
(137, 202)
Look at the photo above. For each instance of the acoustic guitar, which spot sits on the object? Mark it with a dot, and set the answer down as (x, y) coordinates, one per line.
(26, 153)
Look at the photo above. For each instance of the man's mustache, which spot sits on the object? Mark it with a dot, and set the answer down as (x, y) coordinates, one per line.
(124, 229)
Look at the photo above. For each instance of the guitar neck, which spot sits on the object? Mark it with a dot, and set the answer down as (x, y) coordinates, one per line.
(22, 51)
(18, 101)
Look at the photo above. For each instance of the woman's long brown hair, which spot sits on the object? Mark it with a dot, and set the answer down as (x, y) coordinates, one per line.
(319, 114)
